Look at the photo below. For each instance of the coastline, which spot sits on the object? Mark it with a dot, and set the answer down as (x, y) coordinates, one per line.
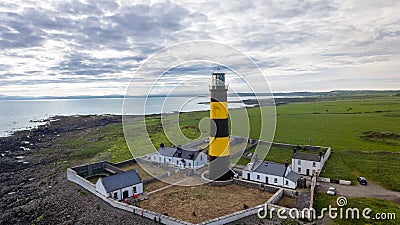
(33, 184)
(34, 189)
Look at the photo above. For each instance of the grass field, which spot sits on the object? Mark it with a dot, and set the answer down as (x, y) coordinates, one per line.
(344, 125)
(376, 205)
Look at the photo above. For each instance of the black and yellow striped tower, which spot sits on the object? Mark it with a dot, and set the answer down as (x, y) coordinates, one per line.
(219, 152)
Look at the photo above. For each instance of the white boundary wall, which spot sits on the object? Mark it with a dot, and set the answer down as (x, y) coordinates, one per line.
(74, 177)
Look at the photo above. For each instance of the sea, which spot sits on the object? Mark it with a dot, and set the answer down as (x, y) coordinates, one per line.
(26, 114)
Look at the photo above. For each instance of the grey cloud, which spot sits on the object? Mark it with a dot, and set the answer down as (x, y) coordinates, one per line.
(82, 64)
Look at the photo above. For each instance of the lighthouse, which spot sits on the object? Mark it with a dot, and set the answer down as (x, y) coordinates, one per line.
(219, 152)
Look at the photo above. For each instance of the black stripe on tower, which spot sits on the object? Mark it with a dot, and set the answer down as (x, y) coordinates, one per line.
(220, 129)
(212, 158)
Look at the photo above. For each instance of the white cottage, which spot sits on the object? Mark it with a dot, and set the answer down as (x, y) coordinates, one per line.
(120, 186)
(307, 163)
(271, 173)
(182, 158)
(164, 155)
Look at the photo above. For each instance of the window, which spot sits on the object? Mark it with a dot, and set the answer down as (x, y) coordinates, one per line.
(159, 158)
(115, 195)
(190, 164)
(258, 177)
(169, 160)
(314, 164)
(201, 157)
(134, 189)
(275, 180)
(299, 170)
(287, 182)
(299, 161)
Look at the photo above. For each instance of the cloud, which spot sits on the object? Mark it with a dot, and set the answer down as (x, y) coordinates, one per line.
(87, 46)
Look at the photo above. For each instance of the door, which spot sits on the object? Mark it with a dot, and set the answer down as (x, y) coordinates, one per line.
(308, 172)
(248, 176)
(124, 194)
(266, 179)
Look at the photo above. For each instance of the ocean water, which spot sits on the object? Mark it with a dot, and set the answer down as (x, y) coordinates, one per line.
(24, 114)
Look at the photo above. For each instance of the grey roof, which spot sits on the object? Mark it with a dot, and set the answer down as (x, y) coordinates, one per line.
(271, 168)
(167, 151)
(306, 156)
(121, 180)
(187, 154)
(293, 176)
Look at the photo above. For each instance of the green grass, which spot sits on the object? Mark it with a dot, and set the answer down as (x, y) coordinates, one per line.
(339, 128)
(340, 124)
(322, 200)
(107, 143)
(377, 166)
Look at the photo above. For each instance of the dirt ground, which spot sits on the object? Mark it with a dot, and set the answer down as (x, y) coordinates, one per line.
(287, 202)
(154, 186)
(200, 203)
(143, 174)
(370, 190)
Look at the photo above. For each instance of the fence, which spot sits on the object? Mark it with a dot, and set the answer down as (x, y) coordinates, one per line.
(74, 177)
(125, 163)
(330, 180)
(312, 190)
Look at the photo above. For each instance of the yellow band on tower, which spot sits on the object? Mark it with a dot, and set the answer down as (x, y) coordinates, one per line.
(219, 146)
(219, 110)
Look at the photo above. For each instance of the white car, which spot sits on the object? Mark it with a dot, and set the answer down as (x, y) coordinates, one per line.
(331, 191)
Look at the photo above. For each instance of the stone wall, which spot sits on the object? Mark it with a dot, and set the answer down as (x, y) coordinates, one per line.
(312, 190)
(112, 169)
(90, 169)
(125, 163)
(251, 184)
(74, 177)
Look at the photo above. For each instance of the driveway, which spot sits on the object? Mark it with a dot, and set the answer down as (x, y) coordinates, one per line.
(361, 191)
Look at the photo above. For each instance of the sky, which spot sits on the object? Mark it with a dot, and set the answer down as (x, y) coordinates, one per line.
(94, 47)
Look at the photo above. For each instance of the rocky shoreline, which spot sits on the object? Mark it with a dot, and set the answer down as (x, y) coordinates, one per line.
(33, 184)
(34, 189)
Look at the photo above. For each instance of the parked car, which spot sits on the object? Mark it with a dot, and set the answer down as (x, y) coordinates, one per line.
(331, 191)
(362, 180)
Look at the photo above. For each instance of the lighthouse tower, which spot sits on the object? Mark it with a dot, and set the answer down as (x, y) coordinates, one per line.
(219, 153)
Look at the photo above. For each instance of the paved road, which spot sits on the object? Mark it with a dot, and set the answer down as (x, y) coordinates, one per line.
(361, 191)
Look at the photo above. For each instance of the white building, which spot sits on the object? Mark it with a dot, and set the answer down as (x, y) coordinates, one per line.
(182, 158)
(164, 155)
(271, 173)
(120, 186)
(306, 163)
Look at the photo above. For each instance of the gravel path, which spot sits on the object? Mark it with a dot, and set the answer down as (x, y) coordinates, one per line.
(370, 190)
